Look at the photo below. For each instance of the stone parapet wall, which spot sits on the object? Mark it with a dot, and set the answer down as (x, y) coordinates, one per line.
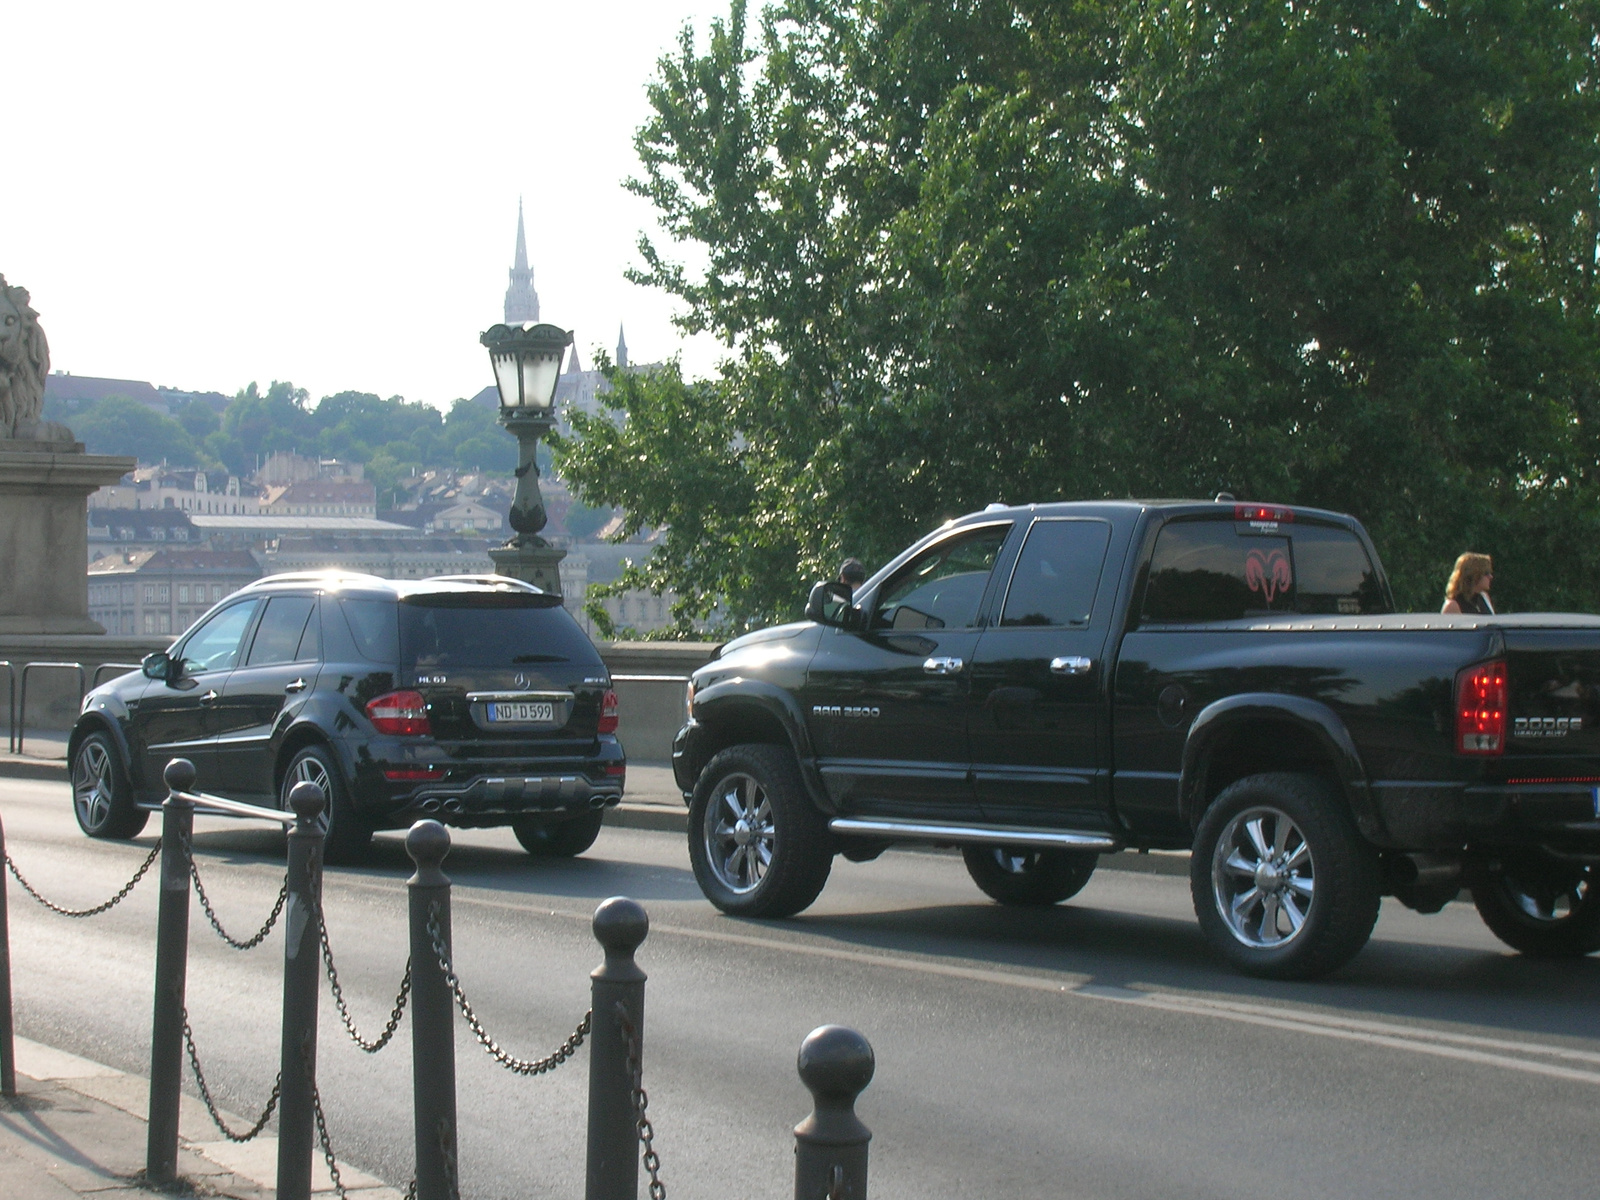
(652, 711)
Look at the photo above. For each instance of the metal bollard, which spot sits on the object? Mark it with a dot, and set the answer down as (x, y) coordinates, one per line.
(301, 984)
(8, 1044)
(830, 1146)
(620, 925)
(433, 1017)
(172, 965)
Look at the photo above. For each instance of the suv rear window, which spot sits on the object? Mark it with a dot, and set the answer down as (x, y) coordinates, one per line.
(1211, 570)
(458, 629)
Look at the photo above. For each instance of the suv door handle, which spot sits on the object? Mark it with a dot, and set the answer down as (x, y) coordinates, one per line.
(942, 666)
(209, 697)
(1071, 664)
(299, 685)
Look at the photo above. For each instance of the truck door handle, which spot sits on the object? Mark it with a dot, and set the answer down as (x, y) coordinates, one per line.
(1071, 664)
(209, 697)
(299, 685)
(942, 666)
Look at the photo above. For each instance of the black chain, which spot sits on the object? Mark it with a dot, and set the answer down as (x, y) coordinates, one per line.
(382, 1039)
(322, 1129)
(521, 1066)
(641, 1101)
(97, 909)
(211, 1105)
(205, 904)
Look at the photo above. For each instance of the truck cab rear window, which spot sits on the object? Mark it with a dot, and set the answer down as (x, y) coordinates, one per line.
(1212, 571)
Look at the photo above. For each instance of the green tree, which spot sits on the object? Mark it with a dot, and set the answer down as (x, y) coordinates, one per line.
(1329, 252)
(119, 425)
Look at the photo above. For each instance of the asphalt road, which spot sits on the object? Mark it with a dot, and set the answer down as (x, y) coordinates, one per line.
(1092, 1050)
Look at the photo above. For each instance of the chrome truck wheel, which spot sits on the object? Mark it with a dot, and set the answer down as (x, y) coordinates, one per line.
(1283, 884)
(758, 845)
(102, 797)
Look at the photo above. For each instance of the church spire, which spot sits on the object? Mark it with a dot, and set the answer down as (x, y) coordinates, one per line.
(522, 302)
(622, 348)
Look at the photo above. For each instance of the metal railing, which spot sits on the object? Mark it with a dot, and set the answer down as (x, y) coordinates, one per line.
(20, 725)
(95, 680)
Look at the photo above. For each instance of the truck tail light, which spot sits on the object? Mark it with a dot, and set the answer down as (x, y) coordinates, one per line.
(1481, 709)
(404, 714)
(1270, 513)
(608, 712)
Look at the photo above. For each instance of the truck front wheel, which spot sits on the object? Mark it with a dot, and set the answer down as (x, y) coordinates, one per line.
(758, 845)
(1282, 883)
(1034, 878)
(1541, 907)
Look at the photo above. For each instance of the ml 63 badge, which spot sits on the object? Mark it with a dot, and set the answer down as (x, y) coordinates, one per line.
(1545, 727)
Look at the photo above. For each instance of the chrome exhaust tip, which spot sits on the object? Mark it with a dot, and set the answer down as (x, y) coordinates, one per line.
(452, 806)
(430, 805)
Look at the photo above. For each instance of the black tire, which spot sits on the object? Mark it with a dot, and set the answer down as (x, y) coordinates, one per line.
(102, 796)
(1539, 906)
(1030, 878)
(544, 838)
(1310, 904)
(347, 835)
(758, 845)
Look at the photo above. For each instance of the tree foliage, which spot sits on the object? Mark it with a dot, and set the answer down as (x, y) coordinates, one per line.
(1330, 252)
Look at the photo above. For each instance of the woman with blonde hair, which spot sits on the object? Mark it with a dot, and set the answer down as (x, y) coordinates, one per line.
(1468, 589)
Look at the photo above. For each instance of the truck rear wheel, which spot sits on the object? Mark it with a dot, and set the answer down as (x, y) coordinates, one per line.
(1282, 883)
(758, 845)
(1541, 907)
(1032, 878)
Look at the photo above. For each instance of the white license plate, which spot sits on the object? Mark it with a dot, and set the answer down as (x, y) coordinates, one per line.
(521, 711)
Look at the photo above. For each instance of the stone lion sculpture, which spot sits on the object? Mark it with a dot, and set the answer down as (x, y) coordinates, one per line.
(24, 363)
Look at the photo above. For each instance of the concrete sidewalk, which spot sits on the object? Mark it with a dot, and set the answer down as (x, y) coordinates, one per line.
(77, 1128)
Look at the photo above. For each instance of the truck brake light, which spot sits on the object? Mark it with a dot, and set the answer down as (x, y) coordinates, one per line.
(1481, 709)
(404, 714)
(608, 712)
(1263, 512)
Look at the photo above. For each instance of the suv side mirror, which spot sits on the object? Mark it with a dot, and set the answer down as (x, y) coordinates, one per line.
(829, 604)
(159, 665)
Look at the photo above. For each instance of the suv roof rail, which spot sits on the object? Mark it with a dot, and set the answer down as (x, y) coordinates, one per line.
(315, 577)
(486, 580)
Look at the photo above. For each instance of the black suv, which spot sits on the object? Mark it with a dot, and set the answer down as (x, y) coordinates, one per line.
(473, 699)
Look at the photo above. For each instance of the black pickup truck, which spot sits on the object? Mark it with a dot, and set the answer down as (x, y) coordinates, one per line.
(1043, 684)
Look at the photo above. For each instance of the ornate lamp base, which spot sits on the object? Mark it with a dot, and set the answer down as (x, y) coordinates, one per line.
(538, 564)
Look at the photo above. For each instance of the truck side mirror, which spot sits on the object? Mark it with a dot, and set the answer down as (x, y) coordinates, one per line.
(829, 604)
(158, 665)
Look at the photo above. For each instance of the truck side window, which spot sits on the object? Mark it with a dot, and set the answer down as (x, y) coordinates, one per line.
(1057, 573)
(942, 587)
(1211, 570)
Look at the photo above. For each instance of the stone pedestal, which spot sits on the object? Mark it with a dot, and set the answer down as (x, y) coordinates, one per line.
(538, 564)
(44, 535)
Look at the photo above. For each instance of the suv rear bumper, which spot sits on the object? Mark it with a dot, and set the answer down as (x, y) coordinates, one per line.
(483, 792)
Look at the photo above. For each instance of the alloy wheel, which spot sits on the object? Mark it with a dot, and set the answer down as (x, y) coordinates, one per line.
(93, 784)
(739, 833)
(1263, 878)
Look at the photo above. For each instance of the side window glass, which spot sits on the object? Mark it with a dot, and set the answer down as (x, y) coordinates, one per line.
(310, 648)
(278, 636)
(1057, 574)
(942, 587)
(214, 646)
(375, 628)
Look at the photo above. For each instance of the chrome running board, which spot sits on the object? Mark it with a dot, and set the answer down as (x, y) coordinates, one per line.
(983, 835)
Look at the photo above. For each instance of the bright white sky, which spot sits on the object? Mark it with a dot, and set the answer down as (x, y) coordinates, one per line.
(202, 194)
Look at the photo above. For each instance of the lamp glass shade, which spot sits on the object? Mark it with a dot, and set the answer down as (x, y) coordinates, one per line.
(527, 364)
(540, 370)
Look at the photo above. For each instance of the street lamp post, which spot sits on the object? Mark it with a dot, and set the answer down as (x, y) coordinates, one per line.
(527, 364)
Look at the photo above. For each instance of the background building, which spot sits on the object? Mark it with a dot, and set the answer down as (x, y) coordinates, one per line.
(162, 592)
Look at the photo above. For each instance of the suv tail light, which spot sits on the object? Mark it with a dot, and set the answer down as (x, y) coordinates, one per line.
(608, 712)
(1481, 709)
(402, 713)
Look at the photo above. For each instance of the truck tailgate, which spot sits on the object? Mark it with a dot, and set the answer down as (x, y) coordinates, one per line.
(1553, 686)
